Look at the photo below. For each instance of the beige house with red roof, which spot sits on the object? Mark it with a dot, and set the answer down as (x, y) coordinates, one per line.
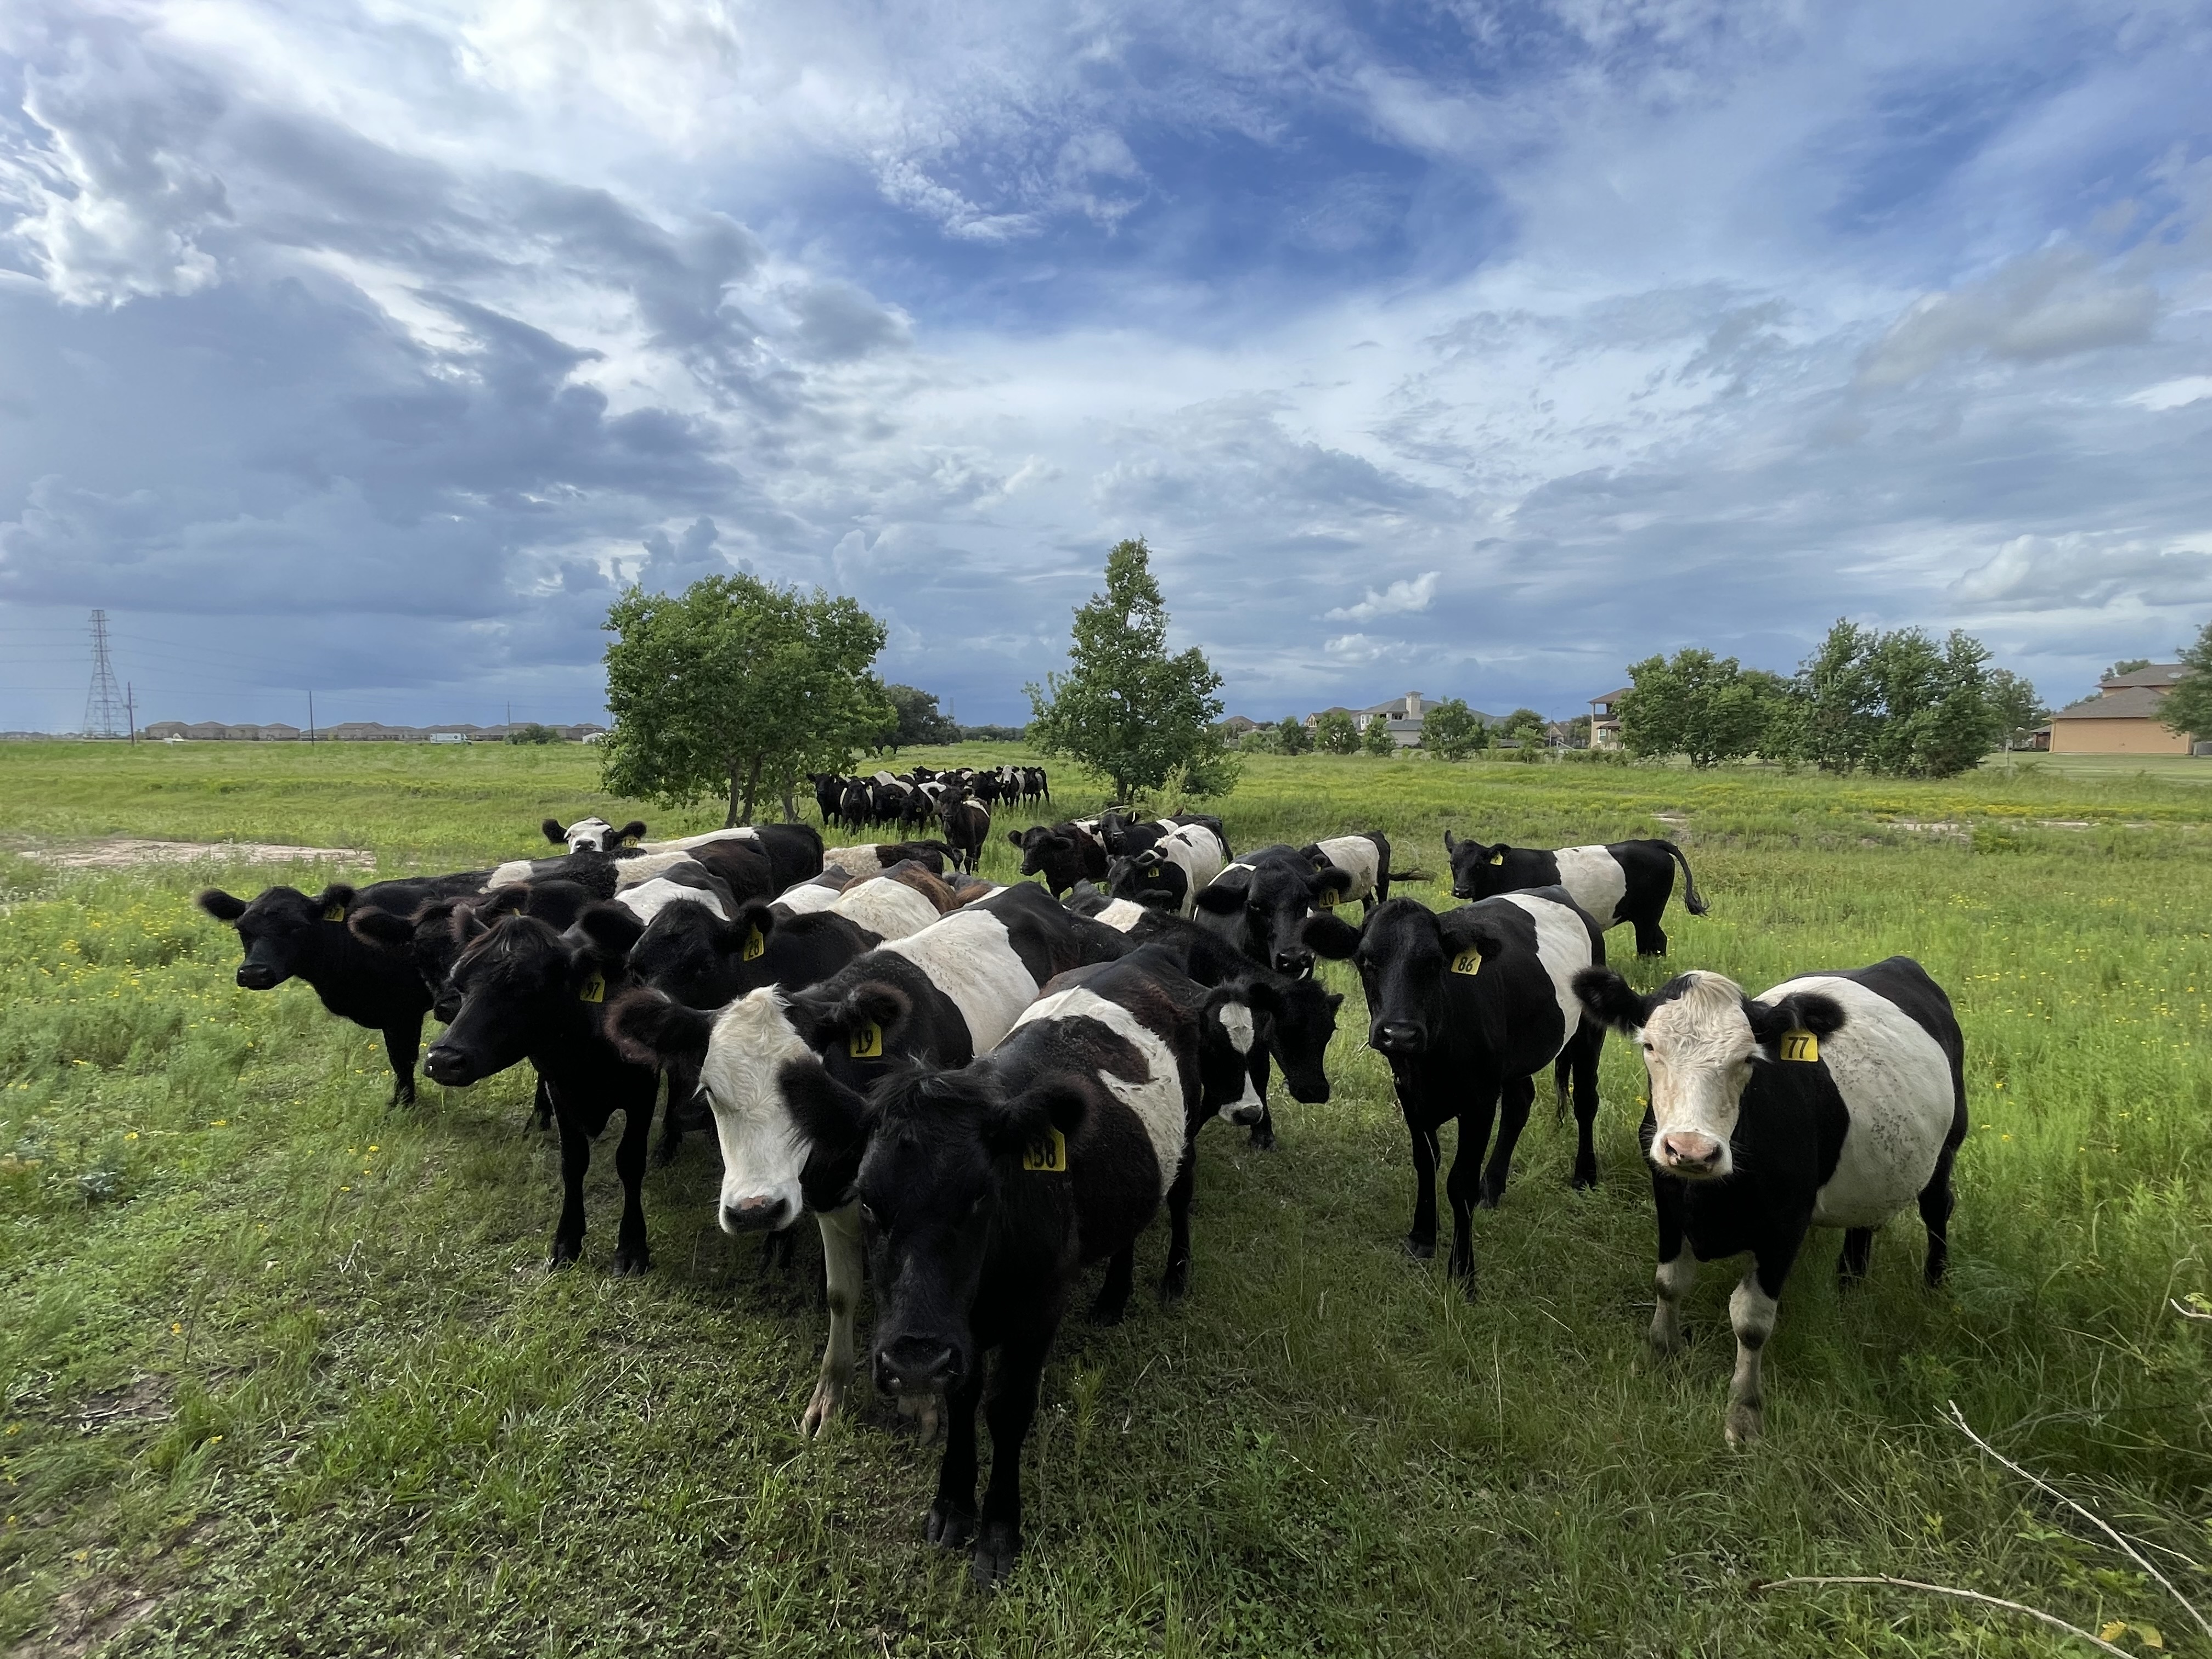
(2122, 718)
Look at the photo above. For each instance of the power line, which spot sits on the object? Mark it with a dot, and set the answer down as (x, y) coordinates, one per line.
(103, 703)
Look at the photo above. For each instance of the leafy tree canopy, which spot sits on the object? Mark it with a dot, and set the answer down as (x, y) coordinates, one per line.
(1451, 731)
(1376, 739)
(917, 719)
(1291, 736)
(2187, 708)
(737, 685)
(1336, 733)
(1694, 703)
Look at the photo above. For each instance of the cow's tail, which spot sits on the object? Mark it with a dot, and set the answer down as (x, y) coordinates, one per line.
(1692, 899)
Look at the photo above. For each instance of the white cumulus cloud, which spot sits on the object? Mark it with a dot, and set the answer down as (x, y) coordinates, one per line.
(1398, 599)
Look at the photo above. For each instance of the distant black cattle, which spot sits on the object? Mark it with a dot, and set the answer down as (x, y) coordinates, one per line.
(1833, 1100)
(1467, 1006)
(1063, 853)
(1261, 903)
(288, 935)
(967, 827)
(1626, 881)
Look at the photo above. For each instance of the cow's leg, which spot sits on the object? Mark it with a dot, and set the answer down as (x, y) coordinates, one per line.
(1587, 1044)
(1517, 1097)
(1113, 1296)
(1462, 1185)
(632, 1255)
(952, 1521)
(1421, 1237)
(542, 1103)
(682, 1085)
(575, 1161)
(1176, 1280)
(1678, 1267)
(1751, 1314)
(1263, 1127)
(1851, 1260)
(1650, 938)
(840, 1277)
(776, 1251)
(1935, 1216)
(1013, 1403)
(403, 1041)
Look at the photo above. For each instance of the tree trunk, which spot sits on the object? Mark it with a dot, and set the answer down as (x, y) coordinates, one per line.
(790, 806)
(741, 796)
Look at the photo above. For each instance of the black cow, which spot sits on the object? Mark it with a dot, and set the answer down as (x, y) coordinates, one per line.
(427, 936)
(986, 1191)
(857, 805)
(1627, 881)
(967, 827)
(691, 954)
(288, 935)
(1124, 837)
(1833, 1100)
(792, 852)
(1063, 853)
(1467, 1005)
(829, 791)
(527, 992)
(1260, 903)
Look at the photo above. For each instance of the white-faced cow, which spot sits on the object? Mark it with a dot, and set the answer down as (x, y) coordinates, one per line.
(1172, 872)
(1063, 853)
(1365, 858)
(1833, 1100)
(289, 935)
(938, 997)
(1467, 1005)
(1627, 881)
(987, 1191)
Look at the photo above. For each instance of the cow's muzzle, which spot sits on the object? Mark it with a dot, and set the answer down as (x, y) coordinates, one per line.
(254, 977)
(756, 1215)
(449, 1068)
(1695, 1157)
(917, 1365)
(1395, 1037)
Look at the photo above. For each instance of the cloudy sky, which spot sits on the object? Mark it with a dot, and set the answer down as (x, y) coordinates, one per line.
(371, 345)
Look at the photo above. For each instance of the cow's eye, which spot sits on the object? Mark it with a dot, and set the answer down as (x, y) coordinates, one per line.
(867, 1215)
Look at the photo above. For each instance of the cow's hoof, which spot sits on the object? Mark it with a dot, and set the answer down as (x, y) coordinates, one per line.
(1263, 1138)
(1486, 1199)
(829, 1400)
(1421, 1249)
(1747, 1420)
(995, 1552)
(628, 1262)
(948, 1528)
(1108, 1310)
(1175, 1284)
(563, 1255)
(1583, 1180)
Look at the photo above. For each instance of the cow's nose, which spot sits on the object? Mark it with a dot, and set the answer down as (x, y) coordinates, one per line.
(447, 1066)
(1297, 963)
(1395, 1037)
(255, 978)
(752, 1215)
(917, 1365)
(1690, 1154)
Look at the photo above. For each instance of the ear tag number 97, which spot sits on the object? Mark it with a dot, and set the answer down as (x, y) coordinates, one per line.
(754, 946)
(1468, 960)
(1048, 1157)
(866, 1043)
(1800, 1045)
(595, 989)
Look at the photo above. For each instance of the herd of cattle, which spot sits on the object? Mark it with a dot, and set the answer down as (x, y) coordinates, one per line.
(987, 1089)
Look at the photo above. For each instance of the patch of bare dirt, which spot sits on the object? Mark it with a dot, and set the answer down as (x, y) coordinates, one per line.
(88, 1616)
(146, 1401)
(126, 852)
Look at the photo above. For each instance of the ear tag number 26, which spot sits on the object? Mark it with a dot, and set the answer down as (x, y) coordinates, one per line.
(1801, 1046)
(866, 1042)
(1047, 1157)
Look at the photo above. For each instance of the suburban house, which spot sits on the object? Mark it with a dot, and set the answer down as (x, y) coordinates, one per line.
(2122, 718)
(1237, 724)
(1605, 721)
(1403, 715)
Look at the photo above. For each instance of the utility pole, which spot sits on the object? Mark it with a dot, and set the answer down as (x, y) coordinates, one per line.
(103, 702)
(310, 717)
(131, 705)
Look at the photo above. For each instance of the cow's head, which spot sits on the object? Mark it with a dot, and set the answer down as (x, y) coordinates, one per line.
(1049, 853)
(1476, 867)
(942, 1150)
(1228, 1038)
(592, 835)
(1407, 955)
(1299, 1017)
(279, 928)
(758, 1070)
(689, 953)
(1149, 879)
(1702, 1039)
(1276, 899)
(517, 978)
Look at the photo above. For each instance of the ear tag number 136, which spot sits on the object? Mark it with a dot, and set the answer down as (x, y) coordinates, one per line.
(1048, 1157)
(1801, 1046)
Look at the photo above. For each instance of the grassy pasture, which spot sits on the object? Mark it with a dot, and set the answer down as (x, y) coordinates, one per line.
(280, 1372)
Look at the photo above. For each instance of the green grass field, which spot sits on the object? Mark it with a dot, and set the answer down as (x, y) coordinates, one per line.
(283, 1373)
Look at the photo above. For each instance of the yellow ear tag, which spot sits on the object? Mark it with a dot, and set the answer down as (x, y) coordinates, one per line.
(1468, 960)
(595, 989)
(754, 946)
(1497, 858)
(1800, 1045)
(866, 1043)
(1051, 1160)
(335, 913)
(1328, 899)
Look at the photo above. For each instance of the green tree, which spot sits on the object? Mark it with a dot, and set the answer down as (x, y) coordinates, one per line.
(1260, 740)
(531, 732)
(1903, 704)
(1376, 739)
(1526, 727)
(1291, 736)
(1451, 731)
(737, 685)
(2187, 708)
(2125, 666)
(1125, 707)
(1841, 701)
(919, 719)
(1335, 733)
(1695, 704)
(2020, 711)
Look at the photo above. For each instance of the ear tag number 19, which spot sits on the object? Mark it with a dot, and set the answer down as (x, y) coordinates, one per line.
(1048, 1157)
(595, 989)
(1468, 960)
(754, 946)
(1801, 1046)
(866, 1042)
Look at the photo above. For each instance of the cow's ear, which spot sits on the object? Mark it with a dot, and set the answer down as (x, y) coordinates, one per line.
(1218, 899)
(1257, 995)
(1800, 1011)
(734, 937)
(467, 924)
(1015, 837)
(553, 832)
(1450, 845)
(221, 905)
(1026, 1124)
(1334, 879)
(1466, 930)
(873, 1002)
(508, 901)
(1328, 935)
(613, 928)
(337, 897)
(827, 1113)
(1611, 1000)
(649, 1028)
(634, 831)
(374, 927)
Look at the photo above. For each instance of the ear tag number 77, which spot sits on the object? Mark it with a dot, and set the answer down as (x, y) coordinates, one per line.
(1801, 1046)
(335, 913)
(866, 1042)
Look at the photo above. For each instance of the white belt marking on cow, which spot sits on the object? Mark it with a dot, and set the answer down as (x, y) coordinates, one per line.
(649, 898)
(969, 958)
(1157, 1100)
(1360, 859)
(1562, 947)
(1594, 879)
(1123, 915)
(808, 896)
(888, 908)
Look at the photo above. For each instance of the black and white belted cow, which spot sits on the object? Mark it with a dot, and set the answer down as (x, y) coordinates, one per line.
(1627, 881)
(1170, 873)
(794, 851)
(1365, 858)
(1833, 1100)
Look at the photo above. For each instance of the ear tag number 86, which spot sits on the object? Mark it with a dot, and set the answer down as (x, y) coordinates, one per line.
(1050, 1157)
(1468, 960)
(1801, 1046)
(754, 946)
(866, 1043)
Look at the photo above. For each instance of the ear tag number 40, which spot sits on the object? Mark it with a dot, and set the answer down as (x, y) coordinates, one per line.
(866, 1042)
(1468, 960)
(1048, 1157)
(1800, 1045)
(754, 946)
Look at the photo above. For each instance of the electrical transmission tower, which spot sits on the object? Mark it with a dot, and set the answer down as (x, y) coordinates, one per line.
(103, 704)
